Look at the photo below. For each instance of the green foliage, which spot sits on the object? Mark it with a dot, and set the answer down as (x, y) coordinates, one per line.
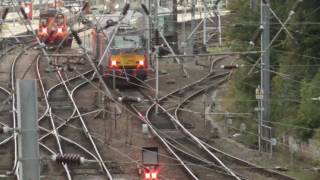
(238, 33)
(309, 114)
(295, 68)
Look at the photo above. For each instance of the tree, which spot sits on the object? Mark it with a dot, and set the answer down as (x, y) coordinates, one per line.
(295, 66)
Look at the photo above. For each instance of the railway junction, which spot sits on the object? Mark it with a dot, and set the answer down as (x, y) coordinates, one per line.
(125, 90)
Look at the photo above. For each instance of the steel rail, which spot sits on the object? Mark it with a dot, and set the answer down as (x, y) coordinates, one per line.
(54, 131)
(71, 117)
(6, 140)
(60, 84)
(86, 131)
(200, 159)
(164, 141)
(199, 143)
(172, 118)
(5, 90)
(72, 142)
(11, 48)
(148, 112)
(249, 164)
(47, 148)
(14, 108)
(72, 92)
(246, 163)
(63, 124)
(49, 112)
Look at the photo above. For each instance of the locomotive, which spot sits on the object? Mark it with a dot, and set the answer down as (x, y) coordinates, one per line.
(127, 60)
(53, 28)
(128, 56)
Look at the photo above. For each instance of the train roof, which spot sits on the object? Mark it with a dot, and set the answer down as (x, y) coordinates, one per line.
(49, 12)
(52, 12)
(116, 16)
(134, 21)
(131, 15)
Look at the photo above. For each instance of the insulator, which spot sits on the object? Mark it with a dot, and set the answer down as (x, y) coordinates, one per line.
(23, 12)
(5, 13)
(145, 9)
(68, 159)
(229, 66)
(265, 1)
(110, 23)
(129, 99)
(76, 36)
(296, 5)
(86, 4)
(256, 35)
(217, 2)
(157, 39)
(125, 9)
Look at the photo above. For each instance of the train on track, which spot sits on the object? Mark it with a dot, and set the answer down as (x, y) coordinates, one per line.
(128, 58)
(53, 28)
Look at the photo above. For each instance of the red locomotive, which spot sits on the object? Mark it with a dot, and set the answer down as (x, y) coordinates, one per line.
(53, 29)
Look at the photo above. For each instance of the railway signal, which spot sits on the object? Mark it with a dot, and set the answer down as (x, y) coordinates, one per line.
(150, 160)
(151, 176)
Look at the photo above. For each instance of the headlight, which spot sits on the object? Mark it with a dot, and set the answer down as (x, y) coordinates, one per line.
(59, 30)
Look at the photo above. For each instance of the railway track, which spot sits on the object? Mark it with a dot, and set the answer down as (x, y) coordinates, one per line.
(164, 105)
(68, 126)
(55, 134)
(249, 168)
(11, 60)
(176, 151)
(64, 129)
(200, 160)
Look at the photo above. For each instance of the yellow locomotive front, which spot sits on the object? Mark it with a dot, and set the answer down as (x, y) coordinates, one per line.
(127, 61)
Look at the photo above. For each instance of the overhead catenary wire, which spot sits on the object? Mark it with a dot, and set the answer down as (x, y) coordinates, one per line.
(291, 13)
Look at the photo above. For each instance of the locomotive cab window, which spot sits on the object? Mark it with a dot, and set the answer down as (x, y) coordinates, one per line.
(60, 19)
(43, 22)
(127, 42)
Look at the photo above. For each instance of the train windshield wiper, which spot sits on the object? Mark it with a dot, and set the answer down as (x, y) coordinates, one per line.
(131, 40)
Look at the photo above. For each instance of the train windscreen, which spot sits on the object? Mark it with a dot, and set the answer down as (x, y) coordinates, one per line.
(60, 19)
(43, 22)
(127, 42)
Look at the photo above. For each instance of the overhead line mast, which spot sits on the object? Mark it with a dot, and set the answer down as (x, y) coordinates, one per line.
(265, 65)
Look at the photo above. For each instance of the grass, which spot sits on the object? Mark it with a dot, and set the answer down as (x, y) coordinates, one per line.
(218, 49)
